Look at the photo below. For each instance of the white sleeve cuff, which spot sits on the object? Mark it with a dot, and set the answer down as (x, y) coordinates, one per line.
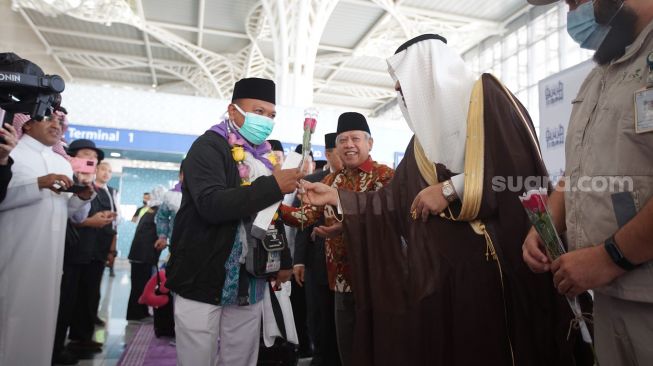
(458, 182)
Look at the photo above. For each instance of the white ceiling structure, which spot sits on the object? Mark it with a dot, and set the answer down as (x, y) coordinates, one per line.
(322, 52)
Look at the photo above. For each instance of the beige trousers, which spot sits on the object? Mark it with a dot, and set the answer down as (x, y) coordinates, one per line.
(623, 331)
(209, 335)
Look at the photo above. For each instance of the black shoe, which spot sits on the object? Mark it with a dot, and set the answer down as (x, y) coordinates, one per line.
(99, 322)
(85, 346)
(305, 353)
(64, 357)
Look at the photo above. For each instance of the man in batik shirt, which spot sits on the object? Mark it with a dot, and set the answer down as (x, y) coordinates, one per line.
(360, 174)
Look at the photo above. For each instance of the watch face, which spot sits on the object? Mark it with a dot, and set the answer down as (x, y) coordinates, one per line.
(447, 190)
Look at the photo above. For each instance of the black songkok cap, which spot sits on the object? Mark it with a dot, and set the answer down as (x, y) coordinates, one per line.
(330, 140)
(276, 145)
(421, 38)
(254, 88)
(319, 164)
(352, 121)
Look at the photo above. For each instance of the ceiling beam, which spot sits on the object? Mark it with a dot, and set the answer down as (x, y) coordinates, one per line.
(200, 23)
(95, 36)
(122, 71)
(188, 28)
(223, 33)
(384, 18)
(383, 107)
(57, 49)
(334, 84)
(350, 107)
(148, 47)
(411, 10)
(354, 69)
(114, 83)
(354, 99)
(48, 48)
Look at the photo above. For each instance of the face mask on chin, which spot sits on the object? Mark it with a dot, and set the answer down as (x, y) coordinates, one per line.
(256, 128)
(583, 28)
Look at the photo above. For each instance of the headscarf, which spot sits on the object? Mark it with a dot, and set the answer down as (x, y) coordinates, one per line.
(436, 85)
(156, 196)
(21, 119)
(60, 147)
(18, 123)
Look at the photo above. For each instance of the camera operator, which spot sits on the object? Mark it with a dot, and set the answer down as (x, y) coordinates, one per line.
(8, 134)
(33, 227)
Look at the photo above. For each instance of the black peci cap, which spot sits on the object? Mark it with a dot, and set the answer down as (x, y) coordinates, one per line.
(255, 88)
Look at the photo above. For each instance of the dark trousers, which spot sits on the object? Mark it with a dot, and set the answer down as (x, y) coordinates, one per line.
(298, 301)
(321, 320)
(69, 285)
(140, 274)
(99, 291)
(82, 324)
(345, 321)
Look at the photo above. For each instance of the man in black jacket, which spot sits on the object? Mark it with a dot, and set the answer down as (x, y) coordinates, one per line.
(310, 271)
(9, 135)
(228, 179)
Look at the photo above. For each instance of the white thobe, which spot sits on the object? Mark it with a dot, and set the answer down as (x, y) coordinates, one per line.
(32, 236)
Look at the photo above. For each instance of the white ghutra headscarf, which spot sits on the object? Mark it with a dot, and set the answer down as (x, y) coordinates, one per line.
(436, 85)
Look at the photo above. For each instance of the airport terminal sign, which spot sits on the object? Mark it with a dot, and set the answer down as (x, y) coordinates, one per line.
(135, 140)
(118, 138)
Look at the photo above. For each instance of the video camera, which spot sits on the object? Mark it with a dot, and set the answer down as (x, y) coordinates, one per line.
(24, 88)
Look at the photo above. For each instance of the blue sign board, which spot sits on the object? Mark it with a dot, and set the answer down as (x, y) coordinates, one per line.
(135, 140)
(118, 138)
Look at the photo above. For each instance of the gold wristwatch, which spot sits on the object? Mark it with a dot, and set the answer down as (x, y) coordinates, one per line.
(448, 191)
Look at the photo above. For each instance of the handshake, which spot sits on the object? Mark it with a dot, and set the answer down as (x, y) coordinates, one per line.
(317, 194)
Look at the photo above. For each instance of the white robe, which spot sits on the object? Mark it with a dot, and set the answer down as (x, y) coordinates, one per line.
(32, 236)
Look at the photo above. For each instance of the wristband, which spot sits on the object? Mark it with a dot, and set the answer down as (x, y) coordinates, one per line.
(616, 255)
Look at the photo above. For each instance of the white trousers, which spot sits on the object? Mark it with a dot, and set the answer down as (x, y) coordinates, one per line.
(209, 335)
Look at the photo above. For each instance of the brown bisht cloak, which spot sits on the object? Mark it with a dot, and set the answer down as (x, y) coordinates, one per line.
(456, 292)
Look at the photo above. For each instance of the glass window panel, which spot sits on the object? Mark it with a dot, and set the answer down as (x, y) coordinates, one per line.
(510, 73)
(538, 27)
(532, 52)
(522, 36)
(510, 44)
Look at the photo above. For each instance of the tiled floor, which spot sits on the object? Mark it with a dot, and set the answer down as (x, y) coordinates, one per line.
(113, 308)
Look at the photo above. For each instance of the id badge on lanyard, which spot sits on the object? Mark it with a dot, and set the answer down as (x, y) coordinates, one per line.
(644, 102)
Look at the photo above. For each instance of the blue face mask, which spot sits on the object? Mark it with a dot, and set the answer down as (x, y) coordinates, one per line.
(584, 29)
(256, 128)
